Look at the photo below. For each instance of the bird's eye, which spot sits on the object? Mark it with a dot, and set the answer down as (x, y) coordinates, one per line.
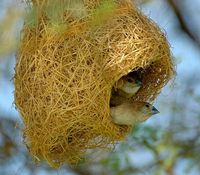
(147, 105)
(129, 80)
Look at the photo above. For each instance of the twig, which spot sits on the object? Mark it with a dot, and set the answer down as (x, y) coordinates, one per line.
(175, 7)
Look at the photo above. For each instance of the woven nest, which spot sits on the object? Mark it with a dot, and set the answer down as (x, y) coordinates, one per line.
(64, 78)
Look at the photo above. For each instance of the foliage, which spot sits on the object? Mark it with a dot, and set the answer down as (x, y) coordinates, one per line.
(8, 40)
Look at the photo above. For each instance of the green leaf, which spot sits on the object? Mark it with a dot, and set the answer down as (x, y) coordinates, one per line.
(105, 10)
(31, 17)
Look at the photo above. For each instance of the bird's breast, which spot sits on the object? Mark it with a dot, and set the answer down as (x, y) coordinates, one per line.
(123, 115)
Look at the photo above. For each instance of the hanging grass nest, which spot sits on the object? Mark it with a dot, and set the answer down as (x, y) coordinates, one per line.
(71, 55)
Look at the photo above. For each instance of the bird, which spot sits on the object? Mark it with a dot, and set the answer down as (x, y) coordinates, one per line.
(132, 112)
(116, 99)
(127, 86)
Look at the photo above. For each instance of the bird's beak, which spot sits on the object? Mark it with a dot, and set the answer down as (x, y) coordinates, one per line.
(155, 111)
(138, 83)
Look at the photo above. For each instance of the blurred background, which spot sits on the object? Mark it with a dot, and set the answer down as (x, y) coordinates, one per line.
(166, 144)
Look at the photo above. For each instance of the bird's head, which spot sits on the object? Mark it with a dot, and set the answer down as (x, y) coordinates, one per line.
(144, 110)
(147, 108)
(130, 85)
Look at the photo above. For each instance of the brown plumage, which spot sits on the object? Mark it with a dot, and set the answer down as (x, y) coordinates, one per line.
(127, 86)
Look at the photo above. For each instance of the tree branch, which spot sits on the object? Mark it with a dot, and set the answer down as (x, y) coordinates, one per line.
(183, 25)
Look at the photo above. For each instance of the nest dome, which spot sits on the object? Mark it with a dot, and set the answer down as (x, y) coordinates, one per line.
(66, 69)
